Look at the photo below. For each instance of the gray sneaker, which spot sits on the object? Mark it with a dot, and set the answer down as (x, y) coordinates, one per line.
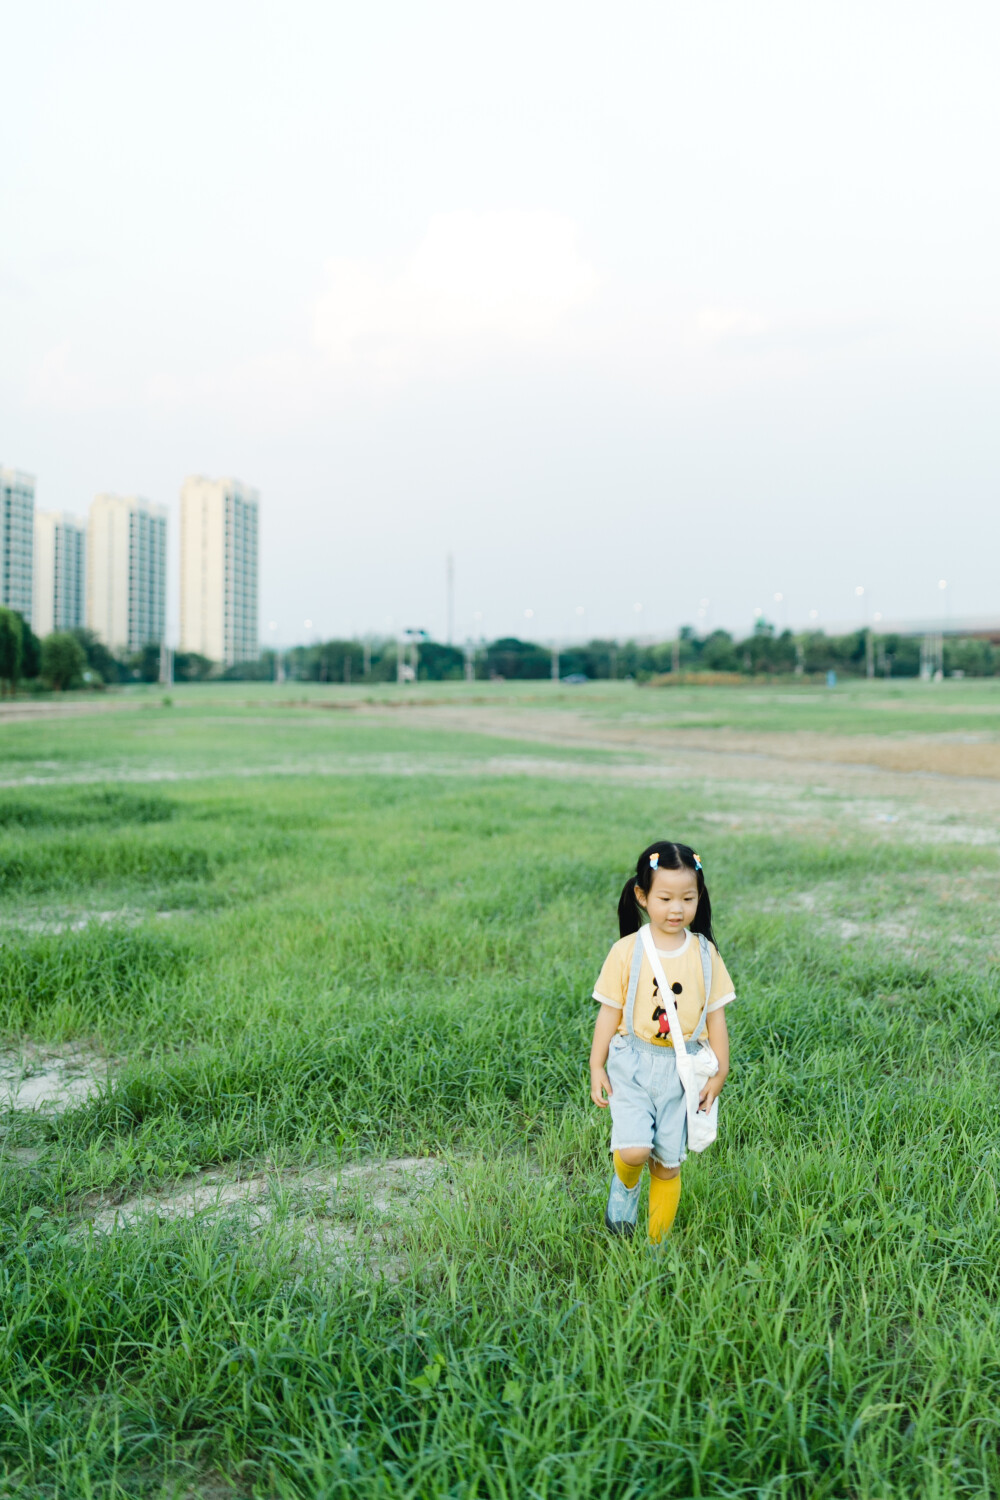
(623, 1207)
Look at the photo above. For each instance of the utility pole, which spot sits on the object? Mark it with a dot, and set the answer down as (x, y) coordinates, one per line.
(555, 661)
(450, 573)
(408, 654)
(932, 657)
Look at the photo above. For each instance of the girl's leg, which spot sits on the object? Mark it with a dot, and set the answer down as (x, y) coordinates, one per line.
(629, 1164)
(633, 1118)
(664, 1196)
(623, 1198)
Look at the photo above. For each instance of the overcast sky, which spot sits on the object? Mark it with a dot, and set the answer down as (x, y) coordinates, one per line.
(636, 304)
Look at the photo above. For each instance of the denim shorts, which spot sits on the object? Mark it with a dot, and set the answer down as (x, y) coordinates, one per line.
(648, 1106)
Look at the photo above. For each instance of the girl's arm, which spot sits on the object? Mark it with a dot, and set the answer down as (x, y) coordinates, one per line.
(718, 1035)
(608, 1019)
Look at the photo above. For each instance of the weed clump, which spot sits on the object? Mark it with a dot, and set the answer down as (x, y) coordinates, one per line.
(108, 807)
(74, 983)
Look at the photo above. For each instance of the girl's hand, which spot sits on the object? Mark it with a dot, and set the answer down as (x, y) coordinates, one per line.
(599, 1081)
(605, 1026)
(718, 1035)
(711, 1092)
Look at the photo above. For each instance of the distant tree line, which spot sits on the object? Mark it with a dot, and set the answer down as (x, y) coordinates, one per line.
(765, 652)
(77, 659)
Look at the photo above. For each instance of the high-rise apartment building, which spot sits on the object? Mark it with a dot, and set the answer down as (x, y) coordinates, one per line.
(219, 569)
(127, 572)
(17, 540)
(60, 582)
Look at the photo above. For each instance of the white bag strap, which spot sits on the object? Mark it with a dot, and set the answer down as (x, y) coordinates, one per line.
(633, 985)
(706, 974)
(684, 1073)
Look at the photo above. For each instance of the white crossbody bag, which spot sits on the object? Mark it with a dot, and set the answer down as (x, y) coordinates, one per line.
(692, 1067)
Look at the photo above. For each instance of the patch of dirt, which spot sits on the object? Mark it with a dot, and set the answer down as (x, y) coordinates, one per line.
(937, 915)
(75, 704)
(890, 933)
(185, 1481)
(50, 1078)
(21, 1156)
(61, 708)
(346, 1213)
(67, 921)
(210, 1487)
(733, 753)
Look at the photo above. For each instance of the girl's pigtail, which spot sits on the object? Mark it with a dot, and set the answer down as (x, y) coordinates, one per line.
(703, 916)
(628, 909)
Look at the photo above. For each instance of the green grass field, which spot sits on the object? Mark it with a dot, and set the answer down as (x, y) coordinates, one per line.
(331, 1223)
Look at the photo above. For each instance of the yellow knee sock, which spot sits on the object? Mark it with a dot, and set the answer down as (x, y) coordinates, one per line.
(627, 1173)
(664, 1196)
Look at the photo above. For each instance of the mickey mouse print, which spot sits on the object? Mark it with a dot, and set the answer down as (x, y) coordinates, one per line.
(684, 974)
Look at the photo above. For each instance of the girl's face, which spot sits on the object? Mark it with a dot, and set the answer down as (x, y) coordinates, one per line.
(672, 901)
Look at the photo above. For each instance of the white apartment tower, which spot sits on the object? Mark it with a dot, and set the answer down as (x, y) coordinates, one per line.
(17, 540)
(60, 582)
(219, 569)
(127, 572)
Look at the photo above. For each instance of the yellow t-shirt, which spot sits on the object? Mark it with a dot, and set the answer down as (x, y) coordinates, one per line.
(683, 972)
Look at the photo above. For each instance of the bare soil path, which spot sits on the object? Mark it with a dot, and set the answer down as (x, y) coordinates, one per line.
(962, 771)
(950, 771)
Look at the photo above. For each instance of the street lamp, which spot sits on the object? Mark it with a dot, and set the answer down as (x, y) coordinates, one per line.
(870, 646)
(859, 594)
(943, 586)
(279, 671)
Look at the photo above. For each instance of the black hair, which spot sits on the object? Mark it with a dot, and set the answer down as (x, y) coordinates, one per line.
(669, 857)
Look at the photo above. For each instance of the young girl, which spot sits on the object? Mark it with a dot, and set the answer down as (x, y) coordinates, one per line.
(639, 1072)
